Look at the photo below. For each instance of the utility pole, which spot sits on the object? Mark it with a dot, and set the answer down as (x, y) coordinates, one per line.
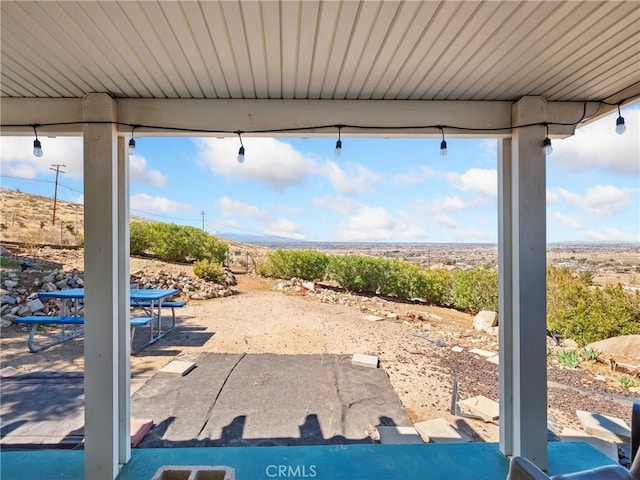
(202, 213)
(56, 168)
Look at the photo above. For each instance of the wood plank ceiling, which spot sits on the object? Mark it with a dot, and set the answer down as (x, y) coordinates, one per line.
(409, 50)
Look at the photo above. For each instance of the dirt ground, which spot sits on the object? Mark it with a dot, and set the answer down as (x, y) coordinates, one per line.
(260, 318)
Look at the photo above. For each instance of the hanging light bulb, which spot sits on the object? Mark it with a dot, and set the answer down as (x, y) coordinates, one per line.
(546, 143)
(37, 147)
(620, 126)
(339, 143)
(443, 144)
(241, 150)
(132, 143)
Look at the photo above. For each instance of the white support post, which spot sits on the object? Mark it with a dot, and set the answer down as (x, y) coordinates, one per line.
(101, 289)
(124, 343)
(528, 283)
(505, 295)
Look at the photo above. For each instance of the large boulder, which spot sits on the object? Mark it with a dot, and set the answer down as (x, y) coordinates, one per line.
(626, 346)
(485, 319)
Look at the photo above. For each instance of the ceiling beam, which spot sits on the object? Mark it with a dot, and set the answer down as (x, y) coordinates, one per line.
(378, 118)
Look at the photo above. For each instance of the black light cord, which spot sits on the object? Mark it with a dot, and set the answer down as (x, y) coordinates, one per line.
(309, 128)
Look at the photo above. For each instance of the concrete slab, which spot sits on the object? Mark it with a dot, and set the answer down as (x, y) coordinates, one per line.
(362, 360)
(482, 353)
(177, 368)
(481, 406)
(372, 318)
(494, 359)
(439, 430)
(602, 426)
(610, 449)
(393, 434)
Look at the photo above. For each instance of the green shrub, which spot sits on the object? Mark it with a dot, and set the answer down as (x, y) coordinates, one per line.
(139, 238)
(475, 290)
(356, 273)
(436, 287)
(209, 270)
(303, 264)
(574, 310)
(216, 249)
(175, 243)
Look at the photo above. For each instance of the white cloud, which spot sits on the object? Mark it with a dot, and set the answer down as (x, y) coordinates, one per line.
(609, 234)
(371, 218)
(139, 172)
(450, 203)
(414, 177)
(288, 209)
(267, 160)
(376, 224)
(552, 197)
(233, 208)
(600, 199)
(567, 221)
(17, 160)
(337, 204)
(284, 228)
(354, 178)
(16, 156)
(598, 146)
(480, 180)
(446, 221)
(149, 204)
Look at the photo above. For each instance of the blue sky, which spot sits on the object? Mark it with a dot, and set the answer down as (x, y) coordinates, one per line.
(390, 190)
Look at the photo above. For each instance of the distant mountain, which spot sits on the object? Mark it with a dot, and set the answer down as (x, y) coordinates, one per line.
(255, 239)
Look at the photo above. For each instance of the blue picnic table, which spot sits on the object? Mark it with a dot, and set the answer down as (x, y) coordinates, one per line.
(149, 300)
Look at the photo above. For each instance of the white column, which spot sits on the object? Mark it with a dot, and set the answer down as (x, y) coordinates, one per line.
(101, 289)
(124, 344)
(505, 295)
(528, 283)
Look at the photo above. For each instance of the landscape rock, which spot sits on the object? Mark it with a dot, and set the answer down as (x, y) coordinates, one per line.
(7, 299)
(626, 345)
(569, 343)
(485, 319)
(24, 288)
(35, 305)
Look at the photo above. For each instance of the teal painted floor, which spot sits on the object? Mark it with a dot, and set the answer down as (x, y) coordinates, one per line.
(477, 461)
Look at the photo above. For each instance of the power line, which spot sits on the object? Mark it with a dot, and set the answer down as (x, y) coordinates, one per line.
(42, 181)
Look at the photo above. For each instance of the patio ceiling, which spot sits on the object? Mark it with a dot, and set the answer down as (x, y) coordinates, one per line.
(364, 50)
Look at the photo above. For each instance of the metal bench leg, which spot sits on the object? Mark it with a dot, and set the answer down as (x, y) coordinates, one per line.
(62, 338)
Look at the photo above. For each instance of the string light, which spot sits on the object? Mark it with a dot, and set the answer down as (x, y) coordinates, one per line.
(241, 150)
(620, 126)
(546, 143)
(132, 143)
(37, 150)
(339, 142)
(443, 144)
(37, 147)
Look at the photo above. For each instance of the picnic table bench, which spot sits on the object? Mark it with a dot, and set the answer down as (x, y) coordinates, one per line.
(36, 320)
(150, 300)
